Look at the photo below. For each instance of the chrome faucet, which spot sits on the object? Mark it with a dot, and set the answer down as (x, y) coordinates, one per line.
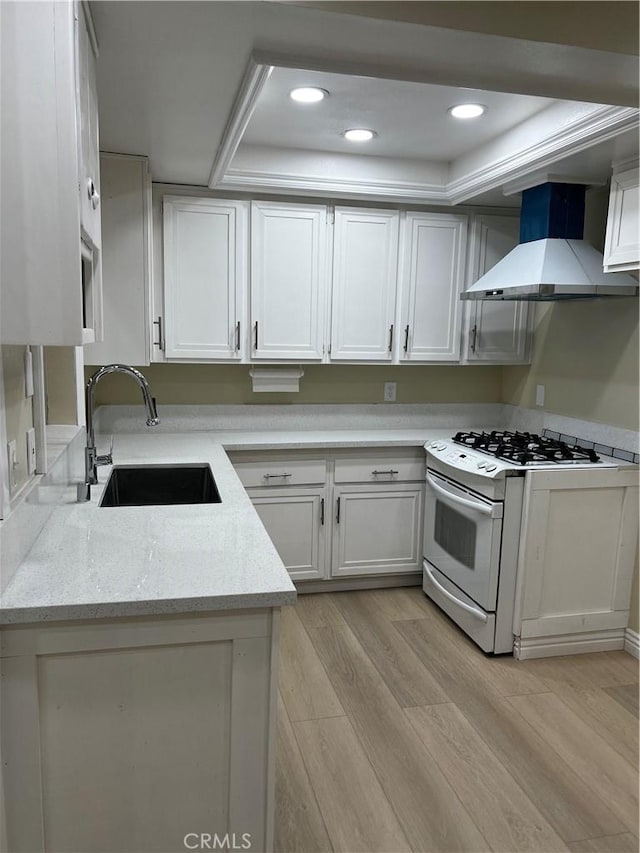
(91, 458)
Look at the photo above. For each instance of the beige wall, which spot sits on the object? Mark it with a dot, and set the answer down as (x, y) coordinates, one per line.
(204, 383)
(18, 408)
(60, 383)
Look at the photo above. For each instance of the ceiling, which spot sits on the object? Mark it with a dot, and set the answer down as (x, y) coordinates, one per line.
(410, 119)
(169, 74)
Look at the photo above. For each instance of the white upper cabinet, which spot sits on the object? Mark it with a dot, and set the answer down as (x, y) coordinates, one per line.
(49, 296)
(622, 241)
(498, 332)
(204, 277)
(288, 280)
(365, 262)
(88, 138)
(126, 261)
(432, 279)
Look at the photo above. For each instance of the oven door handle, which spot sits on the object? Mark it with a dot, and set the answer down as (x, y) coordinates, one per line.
(469, 502)
(474, 611)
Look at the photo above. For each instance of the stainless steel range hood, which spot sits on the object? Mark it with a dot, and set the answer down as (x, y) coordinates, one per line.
(551, 262)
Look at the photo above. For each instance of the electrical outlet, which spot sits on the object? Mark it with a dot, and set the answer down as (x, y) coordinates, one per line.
(28, 373)
(31, 451)
(12, 454)
(390, 392)
(539, 395)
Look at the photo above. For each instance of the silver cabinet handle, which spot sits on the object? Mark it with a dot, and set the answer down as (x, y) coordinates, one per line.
(275, 476)
(238, 336)
(474, 611)
(92, 192)
(338, 511)
(474, 336)
(390, 471)
(255, 329)
(406, 338)
(160, 342)
(390, 337)
(322, 511)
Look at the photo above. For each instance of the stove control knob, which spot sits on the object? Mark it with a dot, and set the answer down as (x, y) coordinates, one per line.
(492, 467)
(434, 445)
(482, 464)
(442, 447)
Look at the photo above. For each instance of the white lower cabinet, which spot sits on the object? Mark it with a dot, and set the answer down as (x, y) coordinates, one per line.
(295, 520)
(377, 529)
(135, 733)
(347, 514)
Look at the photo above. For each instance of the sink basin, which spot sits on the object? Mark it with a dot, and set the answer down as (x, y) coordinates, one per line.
(160, 485)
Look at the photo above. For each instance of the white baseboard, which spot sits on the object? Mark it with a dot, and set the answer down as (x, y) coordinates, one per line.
(570, 644)
(632, 642)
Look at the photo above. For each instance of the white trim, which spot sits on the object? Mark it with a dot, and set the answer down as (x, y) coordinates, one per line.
(632, 642)
(625, 163)
(252, 83)
(40, 408)
(544, 176)
(569, 644)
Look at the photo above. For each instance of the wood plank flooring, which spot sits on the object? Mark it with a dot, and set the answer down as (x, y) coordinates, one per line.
(396, 733)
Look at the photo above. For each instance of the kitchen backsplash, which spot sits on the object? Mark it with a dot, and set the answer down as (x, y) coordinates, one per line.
(18, 410)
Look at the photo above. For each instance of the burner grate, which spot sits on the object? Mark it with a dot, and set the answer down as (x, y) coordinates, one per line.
(527, 448)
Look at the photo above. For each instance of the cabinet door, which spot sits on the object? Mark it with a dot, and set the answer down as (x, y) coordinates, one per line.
(622, 242)
(88, 145)
(295, 521)
(433, 276)
(498, 331)
(204, 277)
(377, 530)
(126, 261)
(288, 280)
(365, 261)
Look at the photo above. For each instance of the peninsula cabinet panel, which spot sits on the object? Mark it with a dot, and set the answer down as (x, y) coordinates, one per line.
(378, 529)
(498, 332)
(433, 277)
(365, 264)
(288, 280)
(130, 735)
(204, 278)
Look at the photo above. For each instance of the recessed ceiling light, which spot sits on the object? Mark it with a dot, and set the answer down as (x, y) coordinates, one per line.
(308, 95)
(359, 135)
(467, 110)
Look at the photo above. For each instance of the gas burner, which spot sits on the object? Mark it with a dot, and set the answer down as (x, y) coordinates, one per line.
(526, 448)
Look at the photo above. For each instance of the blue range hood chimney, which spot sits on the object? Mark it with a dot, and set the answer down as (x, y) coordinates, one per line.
(552, 261)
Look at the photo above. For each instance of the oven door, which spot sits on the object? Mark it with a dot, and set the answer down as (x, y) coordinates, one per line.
(462, 536)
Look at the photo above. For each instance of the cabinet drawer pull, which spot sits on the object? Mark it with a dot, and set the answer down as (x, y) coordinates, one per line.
(390, 337)
(322, 511)
(338, 511)
(275, 476)
(406, 338)
(160, 342)
(390, 471)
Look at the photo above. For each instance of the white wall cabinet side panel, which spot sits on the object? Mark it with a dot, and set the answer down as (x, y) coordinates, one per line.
(88, 143)
(377, 530)
(41, 294)
(434, 265)
(499, 332)
(204, 246)
(288, 280)
(295, 520)
(365, 263)
(622, 240)
(126, 261)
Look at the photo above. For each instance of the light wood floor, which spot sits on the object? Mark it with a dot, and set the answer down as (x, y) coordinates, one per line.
(397, 733)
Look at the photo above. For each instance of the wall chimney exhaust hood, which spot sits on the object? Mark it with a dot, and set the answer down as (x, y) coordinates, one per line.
(552, 261)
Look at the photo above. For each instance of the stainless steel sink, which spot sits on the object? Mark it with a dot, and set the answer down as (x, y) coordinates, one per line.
(160, 485)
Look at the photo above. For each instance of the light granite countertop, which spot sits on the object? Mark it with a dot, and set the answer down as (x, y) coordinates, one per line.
(98, 562)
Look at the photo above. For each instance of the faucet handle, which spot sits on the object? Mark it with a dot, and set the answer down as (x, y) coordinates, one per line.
(106, 458)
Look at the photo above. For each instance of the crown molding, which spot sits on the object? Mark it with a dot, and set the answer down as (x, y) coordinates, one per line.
(534, 179)
(255, 77)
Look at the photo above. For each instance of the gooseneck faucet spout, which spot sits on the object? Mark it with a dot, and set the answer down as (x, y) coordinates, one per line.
(91, 458)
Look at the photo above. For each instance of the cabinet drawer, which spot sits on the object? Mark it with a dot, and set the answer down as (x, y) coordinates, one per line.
(282, 472)
(379, 469)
